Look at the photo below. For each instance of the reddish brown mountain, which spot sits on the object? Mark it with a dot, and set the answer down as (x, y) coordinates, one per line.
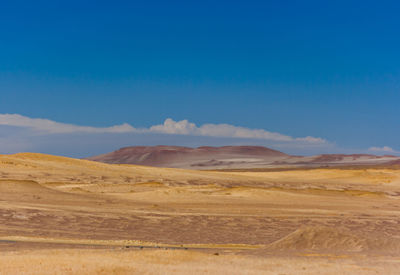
(233, 157)
(177, 156)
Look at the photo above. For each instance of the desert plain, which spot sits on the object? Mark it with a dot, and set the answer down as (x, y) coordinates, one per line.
(69, 216)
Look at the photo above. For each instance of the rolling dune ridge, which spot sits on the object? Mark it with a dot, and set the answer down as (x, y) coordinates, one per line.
(345, 220)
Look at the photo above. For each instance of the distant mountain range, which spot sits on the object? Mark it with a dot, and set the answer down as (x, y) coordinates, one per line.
(232, 157)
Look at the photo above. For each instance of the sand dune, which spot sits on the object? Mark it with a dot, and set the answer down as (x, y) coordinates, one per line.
(58, 203)
(330, 239)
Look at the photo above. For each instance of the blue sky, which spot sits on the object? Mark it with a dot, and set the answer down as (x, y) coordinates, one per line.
(328, 70)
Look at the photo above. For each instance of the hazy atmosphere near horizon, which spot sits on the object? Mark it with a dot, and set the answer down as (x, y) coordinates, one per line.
(303, 77)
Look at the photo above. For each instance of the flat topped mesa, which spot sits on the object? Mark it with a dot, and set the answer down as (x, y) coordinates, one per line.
(231, 157)
(186, 157)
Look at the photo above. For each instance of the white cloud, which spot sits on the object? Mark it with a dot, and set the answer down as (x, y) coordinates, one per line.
(52, 127)
(384, 149)
(37, 135)
(170, 126)
(183, 127)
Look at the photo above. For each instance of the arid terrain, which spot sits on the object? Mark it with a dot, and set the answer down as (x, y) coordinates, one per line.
(68, 216)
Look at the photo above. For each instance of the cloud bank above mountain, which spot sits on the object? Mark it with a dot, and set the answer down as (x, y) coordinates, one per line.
(183, 127)
(20, 133)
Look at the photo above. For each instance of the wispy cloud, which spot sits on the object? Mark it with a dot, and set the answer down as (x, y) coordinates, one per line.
(21, 133)
(384, 149)
(183, 127)
(47, 126)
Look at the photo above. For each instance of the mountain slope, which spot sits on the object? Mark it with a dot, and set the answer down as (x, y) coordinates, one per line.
(230, 157)
(185, 157)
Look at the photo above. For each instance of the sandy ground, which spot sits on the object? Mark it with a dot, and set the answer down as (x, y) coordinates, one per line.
(61, 215)
(178, 262)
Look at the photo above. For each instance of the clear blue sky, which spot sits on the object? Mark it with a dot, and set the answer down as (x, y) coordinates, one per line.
(328, 69)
